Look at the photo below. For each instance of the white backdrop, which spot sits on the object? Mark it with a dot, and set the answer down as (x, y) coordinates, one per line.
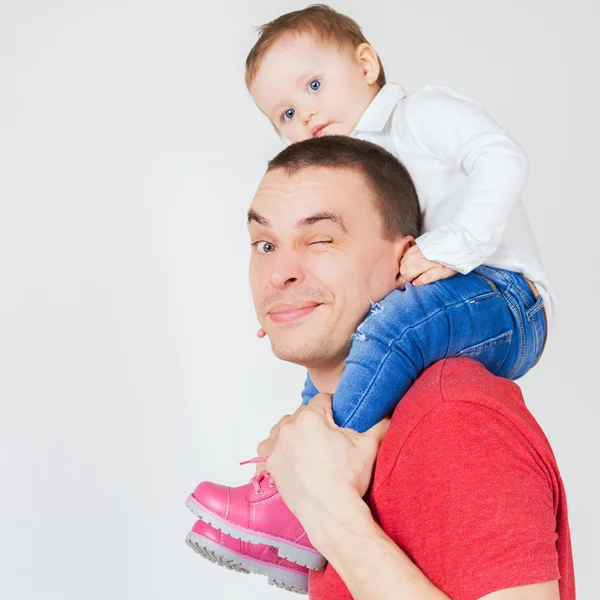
(129, 369)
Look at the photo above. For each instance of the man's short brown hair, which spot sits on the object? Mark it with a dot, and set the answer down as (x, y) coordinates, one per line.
(395, 194)
(317, 19)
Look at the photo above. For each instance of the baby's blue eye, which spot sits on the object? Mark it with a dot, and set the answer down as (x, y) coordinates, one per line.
(314, 85)
(288, 115)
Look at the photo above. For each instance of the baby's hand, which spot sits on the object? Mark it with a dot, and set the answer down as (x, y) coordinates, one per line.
(416, 269)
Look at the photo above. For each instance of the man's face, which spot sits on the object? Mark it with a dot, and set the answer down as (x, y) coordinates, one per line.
(309, 88)
(318, 259)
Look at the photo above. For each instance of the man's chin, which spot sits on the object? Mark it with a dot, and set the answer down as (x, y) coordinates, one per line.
(300, 350)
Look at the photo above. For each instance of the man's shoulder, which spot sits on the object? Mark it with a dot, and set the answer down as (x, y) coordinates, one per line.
(457, 405)
(469, 489)
(453, 382)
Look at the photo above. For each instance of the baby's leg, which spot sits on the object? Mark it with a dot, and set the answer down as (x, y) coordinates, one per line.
(408, 331)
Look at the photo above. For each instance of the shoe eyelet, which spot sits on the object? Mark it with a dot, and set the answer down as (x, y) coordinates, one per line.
(258, 492)
(272, 484)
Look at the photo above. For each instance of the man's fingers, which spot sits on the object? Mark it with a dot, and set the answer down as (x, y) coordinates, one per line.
(322, 404)
(379, 430)
(275, 429)
(374, 434)
(266, 446)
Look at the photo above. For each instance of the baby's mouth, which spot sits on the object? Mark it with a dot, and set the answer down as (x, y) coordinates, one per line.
(317, 131)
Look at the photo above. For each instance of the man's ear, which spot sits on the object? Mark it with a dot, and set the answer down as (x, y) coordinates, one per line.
(401, 247)
(367, 59)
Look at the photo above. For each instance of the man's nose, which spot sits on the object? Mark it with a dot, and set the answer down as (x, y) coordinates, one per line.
(286, 270)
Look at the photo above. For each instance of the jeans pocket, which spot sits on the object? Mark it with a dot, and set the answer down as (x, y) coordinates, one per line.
(492, 353)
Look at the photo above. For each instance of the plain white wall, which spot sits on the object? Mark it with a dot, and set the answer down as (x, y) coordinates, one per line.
(129, 369)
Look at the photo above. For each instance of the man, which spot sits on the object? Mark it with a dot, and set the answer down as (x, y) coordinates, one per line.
(466, 500)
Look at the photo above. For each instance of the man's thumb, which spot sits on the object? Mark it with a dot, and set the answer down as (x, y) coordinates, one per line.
(378, 431)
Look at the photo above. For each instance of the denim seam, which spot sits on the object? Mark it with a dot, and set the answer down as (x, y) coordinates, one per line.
(483, 297)
(533, 310)
(360, 402)
(510, 286)
(522, 296)
(516, 310)
(538, 302)
(505, 338)
(537, 336)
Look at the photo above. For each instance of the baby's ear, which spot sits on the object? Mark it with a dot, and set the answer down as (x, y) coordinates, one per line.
(368, 61)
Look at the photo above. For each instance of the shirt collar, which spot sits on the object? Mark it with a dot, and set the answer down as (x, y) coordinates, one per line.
(382, 106)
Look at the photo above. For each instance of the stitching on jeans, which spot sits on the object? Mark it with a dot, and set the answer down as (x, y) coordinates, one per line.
(503, 338)
(521, 325)
(373, 378)
(537, 337)
(533, 310)
(483, 297)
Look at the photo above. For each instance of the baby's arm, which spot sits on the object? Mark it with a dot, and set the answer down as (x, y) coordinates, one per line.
(460, 133)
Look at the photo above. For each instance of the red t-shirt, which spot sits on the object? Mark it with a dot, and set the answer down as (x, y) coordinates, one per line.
(467, 485)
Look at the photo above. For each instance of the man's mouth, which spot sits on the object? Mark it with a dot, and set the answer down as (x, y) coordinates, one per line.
(289, 312)
(317, 129)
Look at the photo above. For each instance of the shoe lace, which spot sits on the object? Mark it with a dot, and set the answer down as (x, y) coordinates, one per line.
(257, 480)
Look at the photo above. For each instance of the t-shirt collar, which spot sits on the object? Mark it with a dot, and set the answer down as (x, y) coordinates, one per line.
(380, 109)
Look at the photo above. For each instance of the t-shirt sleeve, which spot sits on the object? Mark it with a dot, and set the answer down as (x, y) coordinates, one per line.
(475, 502)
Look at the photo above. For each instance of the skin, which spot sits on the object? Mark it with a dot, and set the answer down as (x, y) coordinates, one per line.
(316, 265)
(317, 240)
(295, 65)
(298, 86)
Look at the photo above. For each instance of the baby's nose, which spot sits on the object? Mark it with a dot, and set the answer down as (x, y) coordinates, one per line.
(308, 115)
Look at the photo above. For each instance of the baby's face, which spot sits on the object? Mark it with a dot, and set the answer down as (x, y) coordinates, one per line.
(309, 88)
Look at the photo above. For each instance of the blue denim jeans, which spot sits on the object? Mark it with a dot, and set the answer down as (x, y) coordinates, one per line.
(490, 315)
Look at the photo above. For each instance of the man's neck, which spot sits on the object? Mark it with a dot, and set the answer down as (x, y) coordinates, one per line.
(327, 378)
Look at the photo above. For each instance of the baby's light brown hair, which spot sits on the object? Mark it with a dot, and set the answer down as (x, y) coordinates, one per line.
(316, 19)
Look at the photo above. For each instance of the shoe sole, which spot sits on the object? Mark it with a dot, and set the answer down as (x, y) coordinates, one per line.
(286, 549)
(278, 576)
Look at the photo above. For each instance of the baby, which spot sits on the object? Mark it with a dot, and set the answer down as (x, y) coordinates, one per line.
(474, 282)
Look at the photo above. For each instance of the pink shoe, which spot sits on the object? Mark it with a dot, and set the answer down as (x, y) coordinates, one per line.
(234, 554)
(255, 513)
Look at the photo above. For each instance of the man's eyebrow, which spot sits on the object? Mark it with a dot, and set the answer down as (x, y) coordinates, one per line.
(325, 215)
(254, 216)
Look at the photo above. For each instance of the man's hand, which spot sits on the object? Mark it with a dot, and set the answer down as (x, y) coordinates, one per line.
(319, 467)
(266, 446)
(416, 269)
